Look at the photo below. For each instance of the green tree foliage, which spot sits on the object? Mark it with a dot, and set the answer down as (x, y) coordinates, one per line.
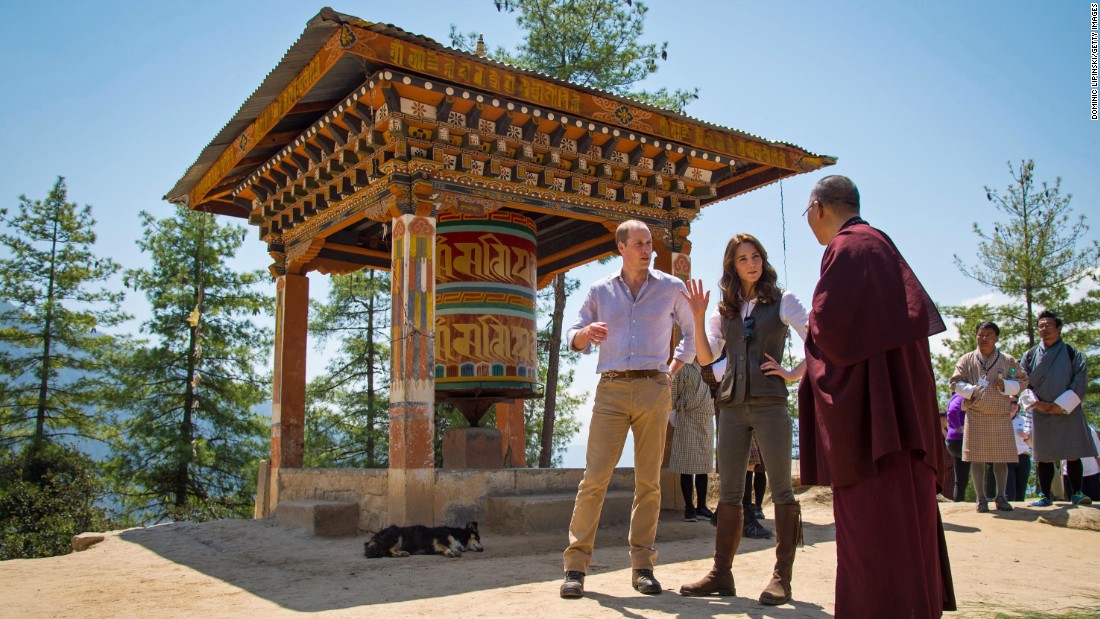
(347, 421)
(191, 437)
(594, 43)
(1033, 256)
(52, 349)
(47, 496)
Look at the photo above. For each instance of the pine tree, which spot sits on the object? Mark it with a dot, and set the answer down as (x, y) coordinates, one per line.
(594, 43)
(1033, 256)
(191, 437)
(52, 344)
(347, 422)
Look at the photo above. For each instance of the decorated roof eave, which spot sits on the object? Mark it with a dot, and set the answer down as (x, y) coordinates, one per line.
(320, 29)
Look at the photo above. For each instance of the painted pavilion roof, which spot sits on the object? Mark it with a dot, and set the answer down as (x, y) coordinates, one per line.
(361, 120)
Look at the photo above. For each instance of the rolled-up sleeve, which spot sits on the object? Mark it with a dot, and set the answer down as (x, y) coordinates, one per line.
(715, 337)
(586, 316)
(792, 312)
(685, 351)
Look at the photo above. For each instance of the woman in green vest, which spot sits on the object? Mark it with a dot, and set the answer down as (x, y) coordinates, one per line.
(751, 323)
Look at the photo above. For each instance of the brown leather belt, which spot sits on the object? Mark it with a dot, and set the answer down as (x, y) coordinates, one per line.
(630, 374)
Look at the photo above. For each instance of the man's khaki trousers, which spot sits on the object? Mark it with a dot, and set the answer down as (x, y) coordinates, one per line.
(641, 406)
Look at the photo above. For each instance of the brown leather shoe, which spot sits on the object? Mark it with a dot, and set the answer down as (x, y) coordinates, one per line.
(573, 587)
(643, 581)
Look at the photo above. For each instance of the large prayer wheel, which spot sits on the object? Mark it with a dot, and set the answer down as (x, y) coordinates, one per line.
(485, 325)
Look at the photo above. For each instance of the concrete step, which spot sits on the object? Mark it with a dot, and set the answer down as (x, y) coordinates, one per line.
(322, 518)
(545, 513)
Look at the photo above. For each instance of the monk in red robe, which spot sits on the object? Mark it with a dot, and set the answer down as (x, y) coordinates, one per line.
(868, 418)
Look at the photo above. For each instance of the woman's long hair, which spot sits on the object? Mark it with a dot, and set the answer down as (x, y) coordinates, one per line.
(767, 290)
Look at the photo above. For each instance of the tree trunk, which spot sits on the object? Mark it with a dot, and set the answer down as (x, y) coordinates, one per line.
(370, 371)
(186, 435)
(552, 372)
(47, 340)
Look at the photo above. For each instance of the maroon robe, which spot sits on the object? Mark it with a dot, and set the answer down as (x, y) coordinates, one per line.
(869, 427)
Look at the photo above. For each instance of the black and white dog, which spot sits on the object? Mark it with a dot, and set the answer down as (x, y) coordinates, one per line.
(395, 541)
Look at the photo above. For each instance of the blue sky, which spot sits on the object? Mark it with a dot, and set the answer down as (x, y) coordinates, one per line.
(923, 105)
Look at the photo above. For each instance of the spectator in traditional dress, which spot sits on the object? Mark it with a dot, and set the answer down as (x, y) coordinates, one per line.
(1058, 381)
(692, 417)
(987, 378)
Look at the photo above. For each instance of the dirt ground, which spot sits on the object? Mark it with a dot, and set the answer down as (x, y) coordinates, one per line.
(1002, 562)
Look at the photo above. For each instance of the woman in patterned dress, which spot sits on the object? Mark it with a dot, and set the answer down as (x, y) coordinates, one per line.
(987, 379)
(692, 438)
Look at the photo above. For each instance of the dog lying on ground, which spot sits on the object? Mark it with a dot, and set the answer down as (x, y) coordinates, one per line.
(395, 541)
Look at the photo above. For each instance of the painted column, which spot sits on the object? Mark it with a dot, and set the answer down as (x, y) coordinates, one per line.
(288, 400)
(672, 261)
(510, 424)
(412, 385)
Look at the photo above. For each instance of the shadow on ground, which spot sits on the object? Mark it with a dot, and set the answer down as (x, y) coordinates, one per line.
(274, 562)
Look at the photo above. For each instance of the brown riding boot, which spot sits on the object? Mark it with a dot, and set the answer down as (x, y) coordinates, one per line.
(788, 534)
(719, 581)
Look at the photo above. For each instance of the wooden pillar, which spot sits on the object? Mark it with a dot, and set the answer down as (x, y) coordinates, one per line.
(288, 400)
(510, 424)
(412, 378)
(671, 261)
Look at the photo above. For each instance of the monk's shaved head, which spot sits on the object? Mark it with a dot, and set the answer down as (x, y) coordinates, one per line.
(836, 190)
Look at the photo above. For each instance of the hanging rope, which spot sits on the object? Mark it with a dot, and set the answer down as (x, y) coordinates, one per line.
(783, 214)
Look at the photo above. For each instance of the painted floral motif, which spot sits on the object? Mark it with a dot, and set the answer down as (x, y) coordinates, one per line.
(347, 36)
(624, 115)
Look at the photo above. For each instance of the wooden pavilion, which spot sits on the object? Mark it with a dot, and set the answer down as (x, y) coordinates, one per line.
(474, 183)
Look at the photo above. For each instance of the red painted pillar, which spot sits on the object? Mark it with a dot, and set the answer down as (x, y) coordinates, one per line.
(514, 435)
(412, 378)
(288, 399)
(670, 260)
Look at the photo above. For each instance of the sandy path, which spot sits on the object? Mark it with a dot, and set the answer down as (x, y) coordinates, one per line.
(261, 569)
